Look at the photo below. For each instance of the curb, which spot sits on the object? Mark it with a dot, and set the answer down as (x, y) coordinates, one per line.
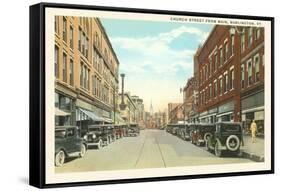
(252, 157)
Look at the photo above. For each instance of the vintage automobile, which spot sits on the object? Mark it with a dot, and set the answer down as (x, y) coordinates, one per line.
(174, 129)
(119, 131)
(98, 135)
(201, 133)
(227, 137)
(112, 132)
(169, 128)
(68, 143)
(133, 130)
(183, 131)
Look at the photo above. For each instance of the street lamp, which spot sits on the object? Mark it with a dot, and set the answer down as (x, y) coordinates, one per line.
(122, 104)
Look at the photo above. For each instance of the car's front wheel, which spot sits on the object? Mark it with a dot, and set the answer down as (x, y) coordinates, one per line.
(218, 151)
(83, 150)
(59, 158)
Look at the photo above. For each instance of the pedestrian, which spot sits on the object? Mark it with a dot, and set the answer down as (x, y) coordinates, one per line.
(253, 129)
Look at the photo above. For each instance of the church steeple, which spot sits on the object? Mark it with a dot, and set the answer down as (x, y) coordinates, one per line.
(151, 109)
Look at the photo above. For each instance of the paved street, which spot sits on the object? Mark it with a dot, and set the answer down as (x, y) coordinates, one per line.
(152, 149)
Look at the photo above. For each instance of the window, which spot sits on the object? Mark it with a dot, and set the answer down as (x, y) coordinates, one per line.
(221, 57)
(243, 40)
(80, 40)
(231, 76)
(250, 71)
(215, 88)
(216, 62)
(207, 71)
(56, 62)
(71, 37)
(87, 48)
(56, 24)
(210, 91)
(81, 74)
(211, 71)
(232, 45)
(258, 33)
(83, 43)
(71, 70)
(250, 36)
(225, 87)
(242, 76)
(64, 33)
(220, 90)
(64, 68)
(225, 51)
(257, 67)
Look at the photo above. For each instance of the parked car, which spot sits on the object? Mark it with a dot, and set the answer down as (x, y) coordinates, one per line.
(133, 130)
(227, 137)
(119, 131)
(183, 131)
(68, 143)
(97, 135)
(201, 133)
(111, 132)
(169, 128)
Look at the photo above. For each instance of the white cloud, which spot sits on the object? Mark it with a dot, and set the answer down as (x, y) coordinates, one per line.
(153, 73)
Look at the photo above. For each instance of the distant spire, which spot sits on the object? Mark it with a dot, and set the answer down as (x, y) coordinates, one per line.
(151, 108)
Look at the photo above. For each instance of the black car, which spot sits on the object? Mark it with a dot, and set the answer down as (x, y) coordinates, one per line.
(227, 137)
(201, 133)
(68, 143)
(98, 135)
(133, 130)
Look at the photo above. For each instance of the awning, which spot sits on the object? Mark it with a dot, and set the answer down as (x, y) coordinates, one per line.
(59, 112)
(91, 115)
(107, 120)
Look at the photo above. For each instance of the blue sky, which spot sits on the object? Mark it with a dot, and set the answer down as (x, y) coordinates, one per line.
(157, 57)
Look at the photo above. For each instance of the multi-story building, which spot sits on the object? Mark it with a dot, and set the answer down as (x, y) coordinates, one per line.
(189, 99)
(139, 111)
(231, 73)
(175, 112)
(252, 76)
(86, 71)
(129, 113)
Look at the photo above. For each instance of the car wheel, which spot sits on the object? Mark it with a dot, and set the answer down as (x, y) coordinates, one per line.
(218, 151)
(60, 158)
(233, 143)
(207, 136)
(83, 150)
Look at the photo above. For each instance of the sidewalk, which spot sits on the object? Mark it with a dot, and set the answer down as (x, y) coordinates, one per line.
(253, 151)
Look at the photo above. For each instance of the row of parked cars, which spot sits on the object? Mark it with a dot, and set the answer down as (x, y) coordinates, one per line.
(71, 141)
(220, 137)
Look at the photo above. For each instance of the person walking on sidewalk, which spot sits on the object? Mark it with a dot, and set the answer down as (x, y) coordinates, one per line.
(253, 129)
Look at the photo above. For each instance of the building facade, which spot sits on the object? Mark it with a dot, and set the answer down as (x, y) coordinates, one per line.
(231, 75)
(175, 112)
(86, 71)
(190, 99)
(129, 114)
(139, 110)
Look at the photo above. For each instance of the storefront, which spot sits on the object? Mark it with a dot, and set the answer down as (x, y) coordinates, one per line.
(208, 116)
(64, 110)
(226, 112)
(252, 107)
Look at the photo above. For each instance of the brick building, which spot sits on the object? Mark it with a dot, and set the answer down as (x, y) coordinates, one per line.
(86, 72)
(175, 112)
(189, 99)
(231, 75)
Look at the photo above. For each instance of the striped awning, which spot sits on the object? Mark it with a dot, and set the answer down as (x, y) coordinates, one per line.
(92, 115)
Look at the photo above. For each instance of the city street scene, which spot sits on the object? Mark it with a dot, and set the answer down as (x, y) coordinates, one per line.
(133, 94)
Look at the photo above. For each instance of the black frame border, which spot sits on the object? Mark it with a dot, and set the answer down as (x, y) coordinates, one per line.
(37, 94)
